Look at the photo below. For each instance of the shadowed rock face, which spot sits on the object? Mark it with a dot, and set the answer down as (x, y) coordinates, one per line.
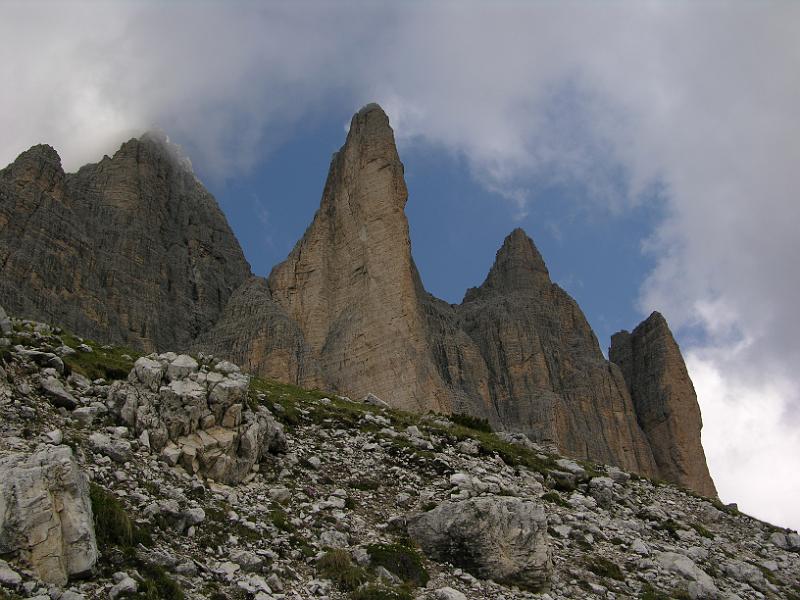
(665, 401)
(547, 376)
(257, 333)
(131, 250)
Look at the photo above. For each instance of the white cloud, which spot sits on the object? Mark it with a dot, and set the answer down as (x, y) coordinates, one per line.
(750, 446)
(697, 99)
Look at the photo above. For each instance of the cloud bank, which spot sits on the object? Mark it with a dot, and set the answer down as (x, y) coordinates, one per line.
(693, 105)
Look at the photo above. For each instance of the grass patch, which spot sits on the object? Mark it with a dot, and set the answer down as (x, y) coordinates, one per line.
(111, 364)
(117, 536)
(280, 519)
(554, 498)
(650, 593)
(290, 398)
(381, 592)
(470, 422)
(404, 562)
(365, 484)
(337, 566)
(702, 531)
(605, 568)
(156, 584)
(669, 526)
(113, 527)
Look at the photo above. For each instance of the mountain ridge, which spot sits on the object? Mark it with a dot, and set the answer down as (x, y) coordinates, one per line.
(346, 310)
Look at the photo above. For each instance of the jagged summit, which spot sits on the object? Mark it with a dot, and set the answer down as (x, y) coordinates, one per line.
(39, 165)
(129, 250)
(517, 266)
(39, 152)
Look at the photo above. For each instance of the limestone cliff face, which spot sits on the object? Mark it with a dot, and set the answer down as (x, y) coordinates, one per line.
(547, 375)
(665, 401)
(131, 250)
(349, 283)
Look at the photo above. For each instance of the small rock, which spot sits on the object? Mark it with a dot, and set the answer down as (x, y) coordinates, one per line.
(126, 585)
(8, 576)
(448, 593)
(116, 449)
(181, 367)
(55, 436)
(373, 400)
(58, 395)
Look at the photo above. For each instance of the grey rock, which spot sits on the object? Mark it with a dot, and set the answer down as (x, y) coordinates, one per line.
(148, 372)
(46, 515)
(180, 368)
(8, 576)
(57, 393)
(201, 424)
(686, 568)
(116, 449)
(85, 415)
(448, 593)
(373, 400)
(499, 538)
(43, 359)
(126, 585)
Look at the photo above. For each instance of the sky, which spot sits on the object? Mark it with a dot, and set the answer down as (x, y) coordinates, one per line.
(651, 150)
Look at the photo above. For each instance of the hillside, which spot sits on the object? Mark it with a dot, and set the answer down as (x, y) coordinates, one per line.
(170, 476)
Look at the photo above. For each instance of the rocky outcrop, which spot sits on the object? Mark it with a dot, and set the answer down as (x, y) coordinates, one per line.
(197, 417)
(665, 401)
(46, 514)
(130, 250)
(492, 537)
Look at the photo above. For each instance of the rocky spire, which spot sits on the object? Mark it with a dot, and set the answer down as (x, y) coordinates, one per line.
(517, 266)
(665, 401)
(350, 283)
(134, 250)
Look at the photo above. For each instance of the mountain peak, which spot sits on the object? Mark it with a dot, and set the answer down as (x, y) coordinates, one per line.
(40, 163)
(155, 143)
(370, 127)
(518, 265)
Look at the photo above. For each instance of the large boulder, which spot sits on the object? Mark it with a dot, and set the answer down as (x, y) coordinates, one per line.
(493, 537)
(46, 514)
(197, 416)
(701, 585)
